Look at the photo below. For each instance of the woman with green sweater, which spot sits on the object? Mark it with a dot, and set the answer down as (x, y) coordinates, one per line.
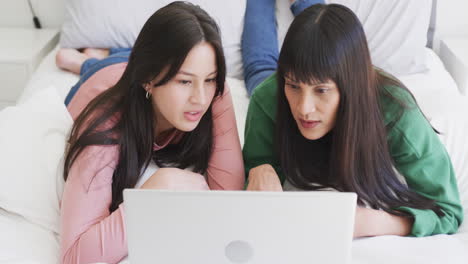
(322, 117)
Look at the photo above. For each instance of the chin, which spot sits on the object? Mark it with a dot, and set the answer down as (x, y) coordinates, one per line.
(312, 136)
(187, 127)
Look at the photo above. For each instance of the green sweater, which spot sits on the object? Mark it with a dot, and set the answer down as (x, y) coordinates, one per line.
(415, 148)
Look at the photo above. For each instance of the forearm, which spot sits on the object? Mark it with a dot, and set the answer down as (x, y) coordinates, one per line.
(89, 232)
(380, 223)
(427, 222)
(226, 166)
(105, 241)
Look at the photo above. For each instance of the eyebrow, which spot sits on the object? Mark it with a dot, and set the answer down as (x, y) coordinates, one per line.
(191, 74)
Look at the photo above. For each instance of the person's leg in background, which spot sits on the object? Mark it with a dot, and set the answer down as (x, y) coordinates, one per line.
(90, 65)
(259, 42)
(260, 39)
(79, 62)
(93, 64)
(70, 59)
(297, 6)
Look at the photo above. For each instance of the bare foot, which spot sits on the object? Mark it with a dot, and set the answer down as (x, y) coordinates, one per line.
(96, 53)
(70, 60)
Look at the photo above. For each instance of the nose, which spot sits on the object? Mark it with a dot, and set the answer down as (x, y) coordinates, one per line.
(306, 105)
(198, 94)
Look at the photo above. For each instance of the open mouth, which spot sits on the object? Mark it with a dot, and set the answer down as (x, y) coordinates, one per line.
(309, 124)
(193, 115)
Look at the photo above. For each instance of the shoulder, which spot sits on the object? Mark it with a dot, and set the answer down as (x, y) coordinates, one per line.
(264, 97)
(266, 89)
(95, 85)
(408, 129)
(396, 103)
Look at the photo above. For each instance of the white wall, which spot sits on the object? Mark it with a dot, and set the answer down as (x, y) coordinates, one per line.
(452, 19)
(16, 13)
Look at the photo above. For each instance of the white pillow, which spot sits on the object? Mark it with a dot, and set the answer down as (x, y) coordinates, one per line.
(116, 23)
(32, 143)
(23, 242)
(396, 30)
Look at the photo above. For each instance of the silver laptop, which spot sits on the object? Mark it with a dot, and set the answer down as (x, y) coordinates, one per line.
(217, 227)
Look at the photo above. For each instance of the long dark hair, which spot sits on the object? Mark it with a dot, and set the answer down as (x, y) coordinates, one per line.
(327, 42)
(160, 48)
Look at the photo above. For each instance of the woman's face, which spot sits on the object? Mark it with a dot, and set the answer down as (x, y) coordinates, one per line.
(313, 106)
(181, 102)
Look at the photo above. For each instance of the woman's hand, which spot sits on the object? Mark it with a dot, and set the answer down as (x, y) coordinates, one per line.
(176, 179)
(371, 222)
(264, 178)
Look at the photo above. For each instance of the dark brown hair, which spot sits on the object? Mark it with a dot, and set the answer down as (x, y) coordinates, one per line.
(327, 42)
(160, 48)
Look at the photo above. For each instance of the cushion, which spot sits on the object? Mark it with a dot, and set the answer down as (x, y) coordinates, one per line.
(90, 23)
(32, 144)
(396, 30)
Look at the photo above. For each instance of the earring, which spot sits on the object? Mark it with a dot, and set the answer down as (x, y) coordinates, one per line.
(148, 95)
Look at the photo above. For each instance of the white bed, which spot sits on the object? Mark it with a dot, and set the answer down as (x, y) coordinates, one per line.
(22, 241)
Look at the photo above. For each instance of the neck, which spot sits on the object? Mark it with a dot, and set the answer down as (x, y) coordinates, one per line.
(163, 129)
(162, 125)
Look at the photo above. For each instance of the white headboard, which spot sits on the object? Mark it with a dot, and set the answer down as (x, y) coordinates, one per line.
(451, 17)
(16, 13)
(451, 20)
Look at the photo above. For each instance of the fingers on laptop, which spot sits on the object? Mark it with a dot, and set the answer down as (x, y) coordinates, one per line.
(264, 178)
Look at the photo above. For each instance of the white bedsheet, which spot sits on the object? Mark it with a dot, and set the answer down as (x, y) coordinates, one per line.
(436, 92)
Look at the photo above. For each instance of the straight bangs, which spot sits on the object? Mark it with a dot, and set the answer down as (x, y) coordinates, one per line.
(309, 58)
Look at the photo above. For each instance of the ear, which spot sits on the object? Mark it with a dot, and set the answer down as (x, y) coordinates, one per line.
(146, 86)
